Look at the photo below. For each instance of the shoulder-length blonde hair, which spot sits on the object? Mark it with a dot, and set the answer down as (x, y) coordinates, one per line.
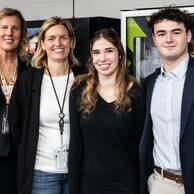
(23, 42)
(40, 57)
(89, 95)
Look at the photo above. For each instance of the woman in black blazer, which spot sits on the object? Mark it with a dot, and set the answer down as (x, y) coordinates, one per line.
(39, 112)
(12, 62)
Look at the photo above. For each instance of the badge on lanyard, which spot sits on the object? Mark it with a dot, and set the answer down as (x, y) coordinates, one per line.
(5, 123)
(61, 156)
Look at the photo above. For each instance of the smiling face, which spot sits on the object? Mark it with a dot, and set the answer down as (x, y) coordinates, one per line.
(105, 57)
(57, 44)
(10, 33)
(171, 39)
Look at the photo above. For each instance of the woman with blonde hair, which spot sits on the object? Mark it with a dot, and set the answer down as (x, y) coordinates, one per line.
(106, 120)
(40, 113)
(12, 62)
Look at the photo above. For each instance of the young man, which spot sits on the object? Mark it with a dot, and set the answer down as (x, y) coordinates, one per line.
(166, 150)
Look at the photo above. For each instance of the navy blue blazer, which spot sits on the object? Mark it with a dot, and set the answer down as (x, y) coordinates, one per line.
(186, 144)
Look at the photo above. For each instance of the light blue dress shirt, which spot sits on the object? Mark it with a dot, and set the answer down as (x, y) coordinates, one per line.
(166, 114)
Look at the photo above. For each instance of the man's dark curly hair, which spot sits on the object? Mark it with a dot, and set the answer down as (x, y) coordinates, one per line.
(173, 14)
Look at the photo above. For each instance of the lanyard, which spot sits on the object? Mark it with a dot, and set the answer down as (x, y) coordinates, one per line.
(61, 114)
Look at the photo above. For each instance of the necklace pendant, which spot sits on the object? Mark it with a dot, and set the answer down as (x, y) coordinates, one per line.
(61, 115)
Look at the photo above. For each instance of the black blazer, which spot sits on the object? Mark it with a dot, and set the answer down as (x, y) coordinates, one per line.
(5, 144)
(186, 133)
(24, 123)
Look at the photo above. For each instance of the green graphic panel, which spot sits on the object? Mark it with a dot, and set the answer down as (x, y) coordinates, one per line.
(133, 31)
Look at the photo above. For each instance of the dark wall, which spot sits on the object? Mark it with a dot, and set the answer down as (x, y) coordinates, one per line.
(84, 31)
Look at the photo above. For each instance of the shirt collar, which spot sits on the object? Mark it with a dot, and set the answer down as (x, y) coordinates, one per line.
(180, 70)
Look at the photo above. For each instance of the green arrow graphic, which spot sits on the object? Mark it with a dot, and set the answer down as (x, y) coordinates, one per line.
(133, 31)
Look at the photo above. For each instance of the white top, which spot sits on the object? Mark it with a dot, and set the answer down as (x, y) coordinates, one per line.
(49, 133)
(166, 116)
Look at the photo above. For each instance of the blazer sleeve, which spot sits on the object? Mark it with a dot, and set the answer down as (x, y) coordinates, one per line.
(16, 111)
(76, 144)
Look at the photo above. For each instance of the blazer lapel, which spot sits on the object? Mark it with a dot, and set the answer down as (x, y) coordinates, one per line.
(37, 76)
(188, 96)
(149, 88)
(147, 136)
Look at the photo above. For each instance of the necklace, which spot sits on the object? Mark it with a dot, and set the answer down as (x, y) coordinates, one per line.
(7, 87)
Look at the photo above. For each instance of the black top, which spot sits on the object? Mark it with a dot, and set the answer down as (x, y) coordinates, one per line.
(5, 148)
(104, 148)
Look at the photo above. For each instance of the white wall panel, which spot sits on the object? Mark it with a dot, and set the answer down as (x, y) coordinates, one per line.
(42, 9)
